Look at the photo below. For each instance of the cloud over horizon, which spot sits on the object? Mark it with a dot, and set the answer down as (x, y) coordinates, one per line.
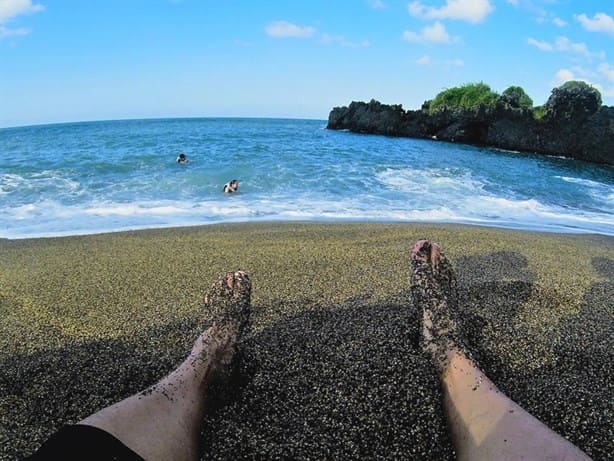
(10, 9)
(472, 11)
(544, 46)
(430, 34)
(283, 29)
(564, 44)
(600, 22)
(13, 8)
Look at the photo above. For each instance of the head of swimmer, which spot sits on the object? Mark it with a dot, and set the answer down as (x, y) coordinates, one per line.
(232, 186)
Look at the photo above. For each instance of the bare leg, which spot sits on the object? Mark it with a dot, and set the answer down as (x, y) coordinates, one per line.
(164, 422)
(485, 423)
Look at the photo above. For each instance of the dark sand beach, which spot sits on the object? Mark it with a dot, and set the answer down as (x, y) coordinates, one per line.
(332, 368)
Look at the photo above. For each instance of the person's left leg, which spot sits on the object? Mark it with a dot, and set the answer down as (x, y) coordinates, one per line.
(164, 421)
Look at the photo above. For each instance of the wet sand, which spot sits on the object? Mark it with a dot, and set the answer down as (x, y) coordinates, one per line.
(332, 368)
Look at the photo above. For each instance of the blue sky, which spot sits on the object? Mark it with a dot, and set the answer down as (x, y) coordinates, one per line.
(71, 60)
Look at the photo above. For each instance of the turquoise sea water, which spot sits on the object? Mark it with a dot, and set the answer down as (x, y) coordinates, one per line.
(89, 177)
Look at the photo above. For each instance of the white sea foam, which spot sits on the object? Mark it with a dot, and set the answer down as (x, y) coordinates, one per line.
(464, 201)
(583, 182)
(23, 211)
(42, 182)
(600, 192)
(493, 207)
(430, 181)
(490, 211)
(133, 209)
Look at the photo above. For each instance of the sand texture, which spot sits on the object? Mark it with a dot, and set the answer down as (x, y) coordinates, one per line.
(332, 368)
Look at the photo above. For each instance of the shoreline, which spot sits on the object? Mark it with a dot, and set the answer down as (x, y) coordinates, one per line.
(562, 230)
(90, 319)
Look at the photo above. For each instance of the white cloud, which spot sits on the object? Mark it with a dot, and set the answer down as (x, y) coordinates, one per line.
(243, 43)
(562, 76)
(600, 22)
(10, 9)
(544, 46)
(564, 44)
(328, 39)
(559, 22)
(607, 71)
(473, 11)
(6, 32)
(607, 92)
(585, 73)
(539, 14)
(376, 4)
(455, 62)
(283, 29)
(430, 34)
(424, 60)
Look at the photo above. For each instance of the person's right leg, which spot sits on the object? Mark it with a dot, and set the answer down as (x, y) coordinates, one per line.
(485, 423)
(164, 421)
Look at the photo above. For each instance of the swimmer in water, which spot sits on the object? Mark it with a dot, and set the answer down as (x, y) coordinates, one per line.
(230, 187)
(182, 158)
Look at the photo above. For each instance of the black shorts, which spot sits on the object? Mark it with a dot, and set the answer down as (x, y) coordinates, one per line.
(82, 442)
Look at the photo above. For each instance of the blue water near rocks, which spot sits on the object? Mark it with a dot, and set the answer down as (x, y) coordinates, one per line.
(91, 177)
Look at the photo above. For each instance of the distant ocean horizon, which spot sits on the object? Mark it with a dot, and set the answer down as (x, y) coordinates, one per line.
(92, 177)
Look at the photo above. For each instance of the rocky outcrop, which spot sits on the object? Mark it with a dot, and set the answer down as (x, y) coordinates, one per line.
(570, 125)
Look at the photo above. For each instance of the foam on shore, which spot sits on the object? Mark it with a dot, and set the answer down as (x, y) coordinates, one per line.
(333, 367)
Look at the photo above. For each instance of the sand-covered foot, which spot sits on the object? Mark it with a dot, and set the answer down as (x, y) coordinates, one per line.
(434, 290)
(230, 297)
(211, 360)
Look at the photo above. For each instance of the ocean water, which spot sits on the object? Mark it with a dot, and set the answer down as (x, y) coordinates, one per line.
(90, 177)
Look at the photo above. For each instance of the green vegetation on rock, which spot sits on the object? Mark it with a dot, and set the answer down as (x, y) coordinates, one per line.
(573, 99)
(467, 96)
(539, 112)
(515, 96)
(573, 122)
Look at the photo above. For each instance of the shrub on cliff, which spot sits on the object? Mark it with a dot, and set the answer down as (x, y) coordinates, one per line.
(516, 97)
(573, 99)
(468, 96)
(539, 112)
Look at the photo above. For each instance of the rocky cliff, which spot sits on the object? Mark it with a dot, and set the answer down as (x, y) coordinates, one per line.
(570, 124)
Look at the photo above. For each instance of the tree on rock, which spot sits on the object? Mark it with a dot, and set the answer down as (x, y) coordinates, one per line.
(468, 96)
(516, 97)
(573, 100)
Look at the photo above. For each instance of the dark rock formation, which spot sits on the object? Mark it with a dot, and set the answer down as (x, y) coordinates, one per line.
(573, 123)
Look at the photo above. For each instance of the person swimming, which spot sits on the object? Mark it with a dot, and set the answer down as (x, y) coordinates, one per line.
(182, 158)
(230, 187)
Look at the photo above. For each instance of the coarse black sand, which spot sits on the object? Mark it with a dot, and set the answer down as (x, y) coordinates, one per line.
(332, 368)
